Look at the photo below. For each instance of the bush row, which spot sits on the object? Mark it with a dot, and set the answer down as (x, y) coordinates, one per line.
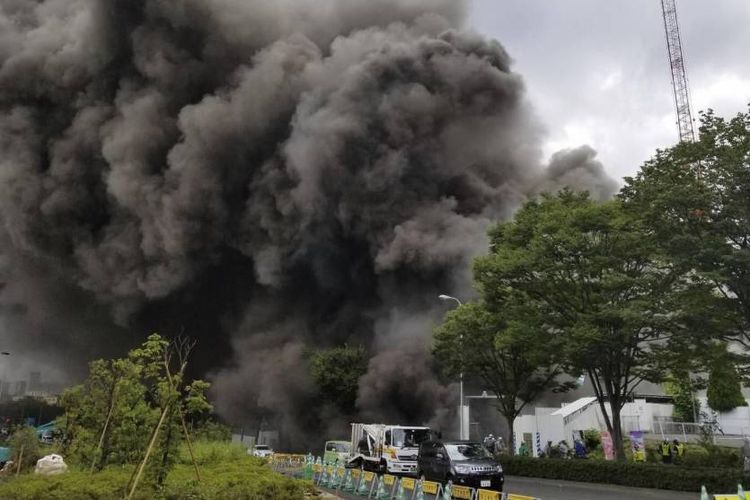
(666, 477)
(244, 479)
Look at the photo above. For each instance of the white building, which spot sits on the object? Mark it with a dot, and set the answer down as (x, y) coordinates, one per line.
(557, 424)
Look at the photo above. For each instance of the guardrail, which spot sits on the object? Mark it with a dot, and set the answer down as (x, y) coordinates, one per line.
(388, 487)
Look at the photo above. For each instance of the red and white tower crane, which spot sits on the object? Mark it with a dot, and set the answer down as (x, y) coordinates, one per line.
(679, 78)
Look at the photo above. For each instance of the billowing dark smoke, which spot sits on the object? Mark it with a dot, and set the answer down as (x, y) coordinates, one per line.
(269, 176)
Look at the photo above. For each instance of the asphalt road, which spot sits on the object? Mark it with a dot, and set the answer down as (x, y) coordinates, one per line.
(548, 489)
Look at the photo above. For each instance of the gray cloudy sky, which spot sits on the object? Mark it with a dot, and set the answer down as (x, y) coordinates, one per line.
(597, 71)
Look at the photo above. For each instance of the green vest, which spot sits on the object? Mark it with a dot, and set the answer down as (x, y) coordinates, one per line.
(665, 451)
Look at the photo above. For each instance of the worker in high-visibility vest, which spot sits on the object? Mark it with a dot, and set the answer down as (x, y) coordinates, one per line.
(666, 452)
(678, 451)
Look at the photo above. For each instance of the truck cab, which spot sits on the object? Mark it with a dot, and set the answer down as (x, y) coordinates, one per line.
(387, 448)
(336, 452)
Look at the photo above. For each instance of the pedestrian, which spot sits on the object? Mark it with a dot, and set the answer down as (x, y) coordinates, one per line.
(678, 450)
(564, 449)
(666, 452)
(746, 455)
(491, 444)
(639, 454)
(548, 449)
(523, 450)
(580, 449)
(499, 445)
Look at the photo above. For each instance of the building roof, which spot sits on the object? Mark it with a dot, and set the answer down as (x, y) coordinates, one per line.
(576, 406)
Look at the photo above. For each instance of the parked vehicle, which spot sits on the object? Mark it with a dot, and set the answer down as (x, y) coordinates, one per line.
(262, 451)
(337, 452)
(463, 462)
(386, 448)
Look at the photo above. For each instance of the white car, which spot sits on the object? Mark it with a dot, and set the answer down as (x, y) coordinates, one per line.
(262, 451)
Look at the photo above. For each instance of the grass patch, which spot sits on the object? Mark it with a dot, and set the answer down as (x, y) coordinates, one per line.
(227, 472)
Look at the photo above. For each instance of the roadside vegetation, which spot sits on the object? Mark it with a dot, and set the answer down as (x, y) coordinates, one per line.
(650, 286)
(227, 472)
(135, 428)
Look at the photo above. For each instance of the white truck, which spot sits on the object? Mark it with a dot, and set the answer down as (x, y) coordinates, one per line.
(386, 448)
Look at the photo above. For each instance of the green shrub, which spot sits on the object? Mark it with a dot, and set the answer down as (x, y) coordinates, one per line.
(592, 438)
(24, 440)
(211, 452)
(213, 431)
(667, 477)
(242, 478)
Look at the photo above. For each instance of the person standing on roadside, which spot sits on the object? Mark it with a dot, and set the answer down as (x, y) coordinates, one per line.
(665, 449)
(678, 451)
(523, 450)
(746, 455)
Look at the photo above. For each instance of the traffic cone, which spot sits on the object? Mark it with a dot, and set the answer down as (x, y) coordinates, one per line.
(348, 482)
(335, 479)
(381, 493)
(400, 493)
(324, 477)
(448, 491)
(704, 493)
(362, 489)
(419, 491)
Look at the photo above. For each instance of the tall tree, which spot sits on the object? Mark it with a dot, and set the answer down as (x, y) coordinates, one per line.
(105, 417)
(595, 277)
(694, 199)
(724, 390)
(336, 372)
(506, 347)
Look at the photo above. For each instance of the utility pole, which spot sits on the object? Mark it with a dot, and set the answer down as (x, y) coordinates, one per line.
(679, 77)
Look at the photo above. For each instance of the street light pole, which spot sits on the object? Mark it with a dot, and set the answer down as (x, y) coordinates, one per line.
(460, 376)
(2, 381)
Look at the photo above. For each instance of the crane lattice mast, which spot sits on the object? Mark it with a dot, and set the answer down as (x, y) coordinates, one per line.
(679, 78)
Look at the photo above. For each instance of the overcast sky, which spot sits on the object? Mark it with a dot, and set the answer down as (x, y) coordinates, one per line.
(597, 70)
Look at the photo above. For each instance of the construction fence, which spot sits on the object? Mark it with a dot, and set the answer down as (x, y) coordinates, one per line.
(367, 484)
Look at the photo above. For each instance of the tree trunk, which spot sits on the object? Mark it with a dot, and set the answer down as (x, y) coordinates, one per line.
(161, 473)
(511, 444)
(617, 436)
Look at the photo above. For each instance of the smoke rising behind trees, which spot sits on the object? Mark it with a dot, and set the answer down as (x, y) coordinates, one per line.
(268, 177)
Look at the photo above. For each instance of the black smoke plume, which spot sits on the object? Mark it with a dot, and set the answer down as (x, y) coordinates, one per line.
(268, 176)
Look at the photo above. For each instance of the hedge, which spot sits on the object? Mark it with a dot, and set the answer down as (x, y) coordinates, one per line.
(243, 479)
(666, 477)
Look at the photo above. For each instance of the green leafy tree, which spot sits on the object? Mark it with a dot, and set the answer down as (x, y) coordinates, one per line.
(693, 197)
(506, 347)
(113, 415)
(595, 276)
(682, 389)
(336, 372)
(724, 391)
